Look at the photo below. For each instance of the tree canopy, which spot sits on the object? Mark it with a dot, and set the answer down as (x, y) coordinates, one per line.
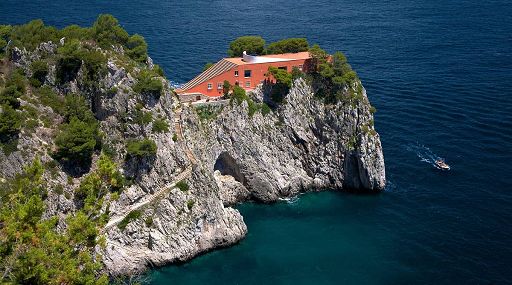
(32, 249)
(252, 44)
(106, 31)
(291, 45)
(76, 141)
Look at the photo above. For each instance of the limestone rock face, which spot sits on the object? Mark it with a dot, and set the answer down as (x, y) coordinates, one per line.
(304, 144)
(300, 146)
(231, 191)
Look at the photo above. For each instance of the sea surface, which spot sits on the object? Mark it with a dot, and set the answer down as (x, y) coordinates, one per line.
(439, 73)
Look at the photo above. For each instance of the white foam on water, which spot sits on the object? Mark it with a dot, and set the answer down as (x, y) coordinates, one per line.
(424, 153)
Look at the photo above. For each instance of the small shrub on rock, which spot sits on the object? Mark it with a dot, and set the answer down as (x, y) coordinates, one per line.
(182, 185)
(76, 141)
(160, 126)
(148, 84)
(132, 216)
(141, 148)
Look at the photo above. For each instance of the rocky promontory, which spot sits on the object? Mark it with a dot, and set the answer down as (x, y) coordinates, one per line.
(184, 166)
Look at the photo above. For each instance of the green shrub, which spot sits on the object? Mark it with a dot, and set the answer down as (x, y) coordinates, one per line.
(253, 107)
(238, 94)
(30, 241)
(373, 110)
(148, 221)
(81, 230)
(51, 99)
(9, 96)
(174, 137)
(9, 146)
(75, 32)
(160, 126)
(75, 106)
(252, 44)
(69, 62)
(4, 37)
(282, 86)
(226, 87)
(10, 123)
(207, 65)
(265, 109)
(95, 66)
(207, 113)
(107, 31)
(141, 148)
(288, 45)
(142, 118)
(333, 78)
(14, 89)
(59, 189)
(182, 185)
(106, 178)
(132, 216)
(10, 119)
(76, 141)
(137, 48)
(33, 33)
(190, 204)
(147, 84)
(158, 70)
(281, 76)
(31, 124)
(110, 174)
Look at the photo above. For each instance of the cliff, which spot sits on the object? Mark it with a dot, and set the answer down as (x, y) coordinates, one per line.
(178, 202)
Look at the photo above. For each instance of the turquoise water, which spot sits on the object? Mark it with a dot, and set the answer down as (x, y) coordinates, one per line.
(440, 75)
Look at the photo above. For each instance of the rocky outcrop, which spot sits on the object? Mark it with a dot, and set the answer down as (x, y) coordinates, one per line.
(302, 145)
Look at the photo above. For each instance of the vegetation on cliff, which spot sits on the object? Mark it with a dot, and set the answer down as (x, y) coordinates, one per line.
(331, 76)
(33, 248)
(53, 93)
(255, 45)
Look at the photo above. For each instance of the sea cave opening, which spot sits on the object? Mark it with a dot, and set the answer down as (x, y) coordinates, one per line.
(227, 165)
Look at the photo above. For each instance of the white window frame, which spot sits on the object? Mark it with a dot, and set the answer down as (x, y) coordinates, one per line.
(250, 73)
(300, 67)
(247, 84)
(236, 73)
(210, 86)
(220, 85)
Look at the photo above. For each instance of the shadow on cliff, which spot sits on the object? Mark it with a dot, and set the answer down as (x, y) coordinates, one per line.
(227, 165)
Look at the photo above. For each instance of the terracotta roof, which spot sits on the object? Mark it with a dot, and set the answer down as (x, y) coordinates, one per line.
(217, 69)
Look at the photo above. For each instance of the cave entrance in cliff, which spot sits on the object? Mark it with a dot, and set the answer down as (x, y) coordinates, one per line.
(227, 165)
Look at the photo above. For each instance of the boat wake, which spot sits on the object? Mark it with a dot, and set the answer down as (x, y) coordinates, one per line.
(290, 200)
(426, 155)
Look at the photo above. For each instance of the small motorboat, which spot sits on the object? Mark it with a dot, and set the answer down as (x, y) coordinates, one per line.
(442, 165)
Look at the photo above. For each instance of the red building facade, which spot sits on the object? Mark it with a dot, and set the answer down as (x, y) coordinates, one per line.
(247, 72)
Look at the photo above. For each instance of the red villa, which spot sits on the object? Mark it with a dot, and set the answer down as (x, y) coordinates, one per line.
(247, 72)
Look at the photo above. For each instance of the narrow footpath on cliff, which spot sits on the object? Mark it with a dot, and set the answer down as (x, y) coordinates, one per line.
(148, 199)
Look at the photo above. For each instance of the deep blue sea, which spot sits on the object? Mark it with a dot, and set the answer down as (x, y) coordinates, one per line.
(440, 75)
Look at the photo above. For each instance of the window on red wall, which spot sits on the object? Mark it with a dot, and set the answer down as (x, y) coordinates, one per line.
(210, 86)
(247, 73)
(236, 72)
(219, 85)
(247, 83)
